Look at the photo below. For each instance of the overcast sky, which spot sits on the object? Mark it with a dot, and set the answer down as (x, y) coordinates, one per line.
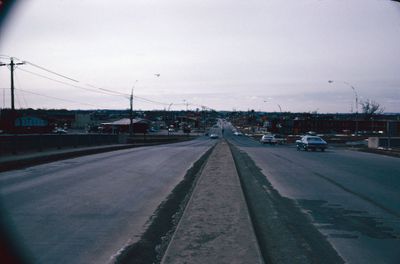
(225, 54)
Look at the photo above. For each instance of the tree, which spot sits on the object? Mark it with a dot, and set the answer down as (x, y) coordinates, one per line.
(371, 108)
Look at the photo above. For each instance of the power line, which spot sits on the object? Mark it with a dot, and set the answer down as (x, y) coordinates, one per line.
(23, 96)
(50, 71)
(65, 83)
(108, 90)
(98, 90)
(150, 101)
(60, 99)
(95, 89)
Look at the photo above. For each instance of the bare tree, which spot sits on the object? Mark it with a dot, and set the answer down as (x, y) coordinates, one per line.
(371, 108)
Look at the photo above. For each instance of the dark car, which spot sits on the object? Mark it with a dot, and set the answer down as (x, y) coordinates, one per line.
(311, 142)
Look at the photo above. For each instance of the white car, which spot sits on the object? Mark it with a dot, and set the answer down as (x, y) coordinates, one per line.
(214, 136)
(272, 139)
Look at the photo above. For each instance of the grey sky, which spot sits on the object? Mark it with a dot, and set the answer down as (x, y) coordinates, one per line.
(226, 55)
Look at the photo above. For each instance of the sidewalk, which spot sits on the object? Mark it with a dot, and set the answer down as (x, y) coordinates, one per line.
(215, 227)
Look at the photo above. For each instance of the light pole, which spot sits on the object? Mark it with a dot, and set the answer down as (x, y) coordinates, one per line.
(356, 100)
(280, 108)
(131, 114)
(131, 111)
(265, 101)
(169, 117)
(186, 103)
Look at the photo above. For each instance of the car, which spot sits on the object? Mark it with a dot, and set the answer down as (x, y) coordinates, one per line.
(59, 131)
(272, 139)
(213, 136)
(311, 143)
(237, 133)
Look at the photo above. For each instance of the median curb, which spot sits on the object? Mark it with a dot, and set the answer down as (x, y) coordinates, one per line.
(215, 226)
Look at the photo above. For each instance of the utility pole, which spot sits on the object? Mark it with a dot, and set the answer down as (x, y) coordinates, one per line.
(131, 115)
(13, 113)
(356, 96)
(12, 65)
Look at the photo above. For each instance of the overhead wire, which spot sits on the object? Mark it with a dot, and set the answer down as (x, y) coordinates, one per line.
(60, 99)
(95, 89)
(50, 71)
(108, 90)
(22, 94)
(65, 83)
(68, 78)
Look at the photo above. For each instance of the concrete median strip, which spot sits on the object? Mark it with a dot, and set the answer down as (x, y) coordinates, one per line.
(215, 226)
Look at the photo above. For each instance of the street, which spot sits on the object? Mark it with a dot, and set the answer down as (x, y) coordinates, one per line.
(84, 210)
(352, 197)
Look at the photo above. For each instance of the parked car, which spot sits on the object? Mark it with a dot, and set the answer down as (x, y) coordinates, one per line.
(272, 139)
(311, 142)
(237, 133)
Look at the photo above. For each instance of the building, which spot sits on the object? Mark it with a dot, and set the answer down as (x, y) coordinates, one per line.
(122, 126)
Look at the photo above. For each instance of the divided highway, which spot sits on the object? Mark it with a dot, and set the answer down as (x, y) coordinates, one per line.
(84, 210)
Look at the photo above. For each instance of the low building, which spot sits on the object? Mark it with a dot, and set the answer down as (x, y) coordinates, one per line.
(122, 126)
(15, 123)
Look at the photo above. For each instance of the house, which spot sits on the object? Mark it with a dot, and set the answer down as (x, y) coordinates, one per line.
(122, 126)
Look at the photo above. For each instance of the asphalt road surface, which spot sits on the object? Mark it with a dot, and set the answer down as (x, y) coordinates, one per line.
(84, 210)
(352, 197)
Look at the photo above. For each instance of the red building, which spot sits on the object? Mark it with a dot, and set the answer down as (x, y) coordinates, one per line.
(334, 126)
(13, 122)
(122, 126)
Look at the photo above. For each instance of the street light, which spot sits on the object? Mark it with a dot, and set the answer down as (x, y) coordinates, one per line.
(280, 108)
(185, 102)
(131, 111)
(169, 117)
(356, 99)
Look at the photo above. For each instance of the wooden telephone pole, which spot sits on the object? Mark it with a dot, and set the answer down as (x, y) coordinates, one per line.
(12, 65)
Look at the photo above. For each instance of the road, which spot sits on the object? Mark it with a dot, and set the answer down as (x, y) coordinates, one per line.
(352, 198)
(84, 210)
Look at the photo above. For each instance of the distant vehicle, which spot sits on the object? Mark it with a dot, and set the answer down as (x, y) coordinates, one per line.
(272, 139)
(59, 131)
(237, 133)
(171, 130)
(311, 142)
(214, 136)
